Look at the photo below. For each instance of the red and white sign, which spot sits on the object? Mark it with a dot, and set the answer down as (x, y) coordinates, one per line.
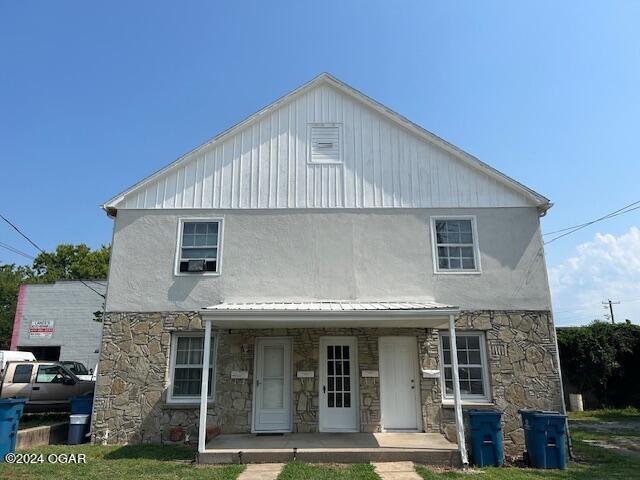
(41, 329)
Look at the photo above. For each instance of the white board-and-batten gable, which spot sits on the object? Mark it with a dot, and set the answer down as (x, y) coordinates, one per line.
(326, 145)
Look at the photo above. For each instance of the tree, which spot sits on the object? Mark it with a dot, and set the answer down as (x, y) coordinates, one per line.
(11, 276)
(67, 262)
(72, 262)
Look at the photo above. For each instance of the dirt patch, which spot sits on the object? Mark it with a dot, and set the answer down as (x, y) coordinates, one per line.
(631, 426)
(628, 446)
(621, 436)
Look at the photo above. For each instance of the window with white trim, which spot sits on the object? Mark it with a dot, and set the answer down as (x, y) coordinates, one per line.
(455, 243)
(199, 246)
(187, 350)
(472, 366)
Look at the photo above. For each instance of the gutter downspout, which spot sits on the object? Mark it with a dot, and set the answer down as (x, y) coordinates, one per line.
(457, 399)
(202, 428)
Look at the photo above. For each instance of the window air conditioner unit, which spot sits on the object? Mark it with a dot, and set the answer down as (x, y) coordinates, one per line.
(196, 265)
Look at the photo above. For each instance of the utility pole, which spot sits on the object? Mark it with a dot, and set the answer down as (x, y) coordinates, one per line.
(611, 304)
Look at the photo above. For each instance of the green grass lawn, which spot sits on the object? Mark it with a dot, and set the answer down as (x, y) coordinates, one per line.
(169, 462)
(305, 471)
(607, 415)
(140, 461)
(593, 463)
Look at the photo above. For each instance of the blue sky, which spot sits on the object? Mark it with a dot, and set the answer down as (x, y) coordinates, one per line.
(95, 96)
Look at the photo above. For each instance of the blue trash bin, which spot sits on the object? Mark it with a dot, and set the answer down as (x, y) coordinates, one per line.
(10, 412)
(82, 404)
(526, 420)
(487, 448)
(78, 428)
(545, 438)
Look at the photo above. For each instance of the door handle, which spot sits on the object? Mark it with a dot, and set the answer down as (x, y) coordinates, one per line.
(324, 389)
(35, 388)
(257, 383)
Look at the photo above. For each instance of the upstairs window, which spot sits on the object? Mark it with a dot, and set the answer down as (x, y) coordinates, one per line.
(455, 245)
(326, 140)
(199, 248)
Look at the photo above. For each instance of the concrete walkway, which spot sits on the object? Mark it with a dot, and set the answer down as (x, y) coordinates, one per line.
(262, 471)
(396, 471)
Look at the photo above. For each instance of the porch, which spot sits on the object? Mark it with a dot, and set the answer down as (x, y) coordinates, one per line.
(430, 448)
(357, 370)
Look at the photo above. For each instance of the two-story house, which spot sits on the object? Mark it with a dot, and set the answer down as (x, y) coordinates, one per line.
(342, 270)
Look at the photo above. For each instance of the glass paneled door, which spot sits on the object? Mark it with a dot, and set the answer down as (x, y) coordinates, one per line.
(338, 384)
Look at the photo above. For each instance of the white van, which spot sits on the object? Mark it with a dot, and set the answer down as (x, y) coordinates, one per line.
(14, 356)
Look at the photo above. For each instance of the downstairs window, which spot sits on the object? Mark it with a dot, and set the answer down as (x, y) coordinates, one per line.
(187, 350)
(472, 366)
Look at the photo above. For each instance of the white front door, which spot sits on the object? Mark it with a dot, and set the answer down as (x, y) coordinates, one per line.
(338, 384)
(272, 385)
(399, 383)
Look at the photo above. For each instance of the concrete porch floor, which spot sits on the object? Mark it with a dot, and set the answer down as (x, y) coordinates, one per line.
(429, 448)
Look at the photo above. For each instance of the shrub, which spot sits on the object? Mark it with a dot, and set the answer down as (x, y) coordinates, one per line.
(603, 360)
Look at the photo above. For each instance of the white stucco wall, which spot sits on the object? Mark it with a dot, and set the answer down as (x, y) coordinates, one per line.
(298, 255)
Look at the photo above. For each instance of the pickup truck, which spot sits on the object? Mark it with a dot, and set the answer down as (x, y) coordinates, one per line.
(48, 386)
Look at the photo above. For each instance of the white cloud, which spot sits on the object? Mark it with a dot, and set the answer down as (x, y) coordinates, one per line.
(607, 267)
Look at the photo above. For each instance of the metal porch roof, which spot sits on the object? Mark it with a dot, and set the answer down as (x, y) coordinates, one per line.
(336, 306)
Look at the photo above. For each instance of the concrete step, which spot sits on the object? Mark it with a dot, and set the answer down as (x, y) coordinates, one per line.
(329, 455)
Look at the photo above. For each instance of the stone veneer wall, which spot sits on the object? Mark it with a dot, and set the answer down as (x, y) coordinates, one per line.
(133, 374)
(130, 404)
(524, 374)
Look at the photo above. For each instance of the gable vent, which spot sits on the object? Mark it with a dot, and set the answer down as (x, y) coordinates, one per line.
(325, 143)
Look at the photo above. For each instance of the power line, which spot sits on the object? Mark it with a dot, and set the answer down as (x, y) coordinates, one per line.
(42, 251)
(16, 251)
(575, 228)
(588, 223)
(20, 232)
